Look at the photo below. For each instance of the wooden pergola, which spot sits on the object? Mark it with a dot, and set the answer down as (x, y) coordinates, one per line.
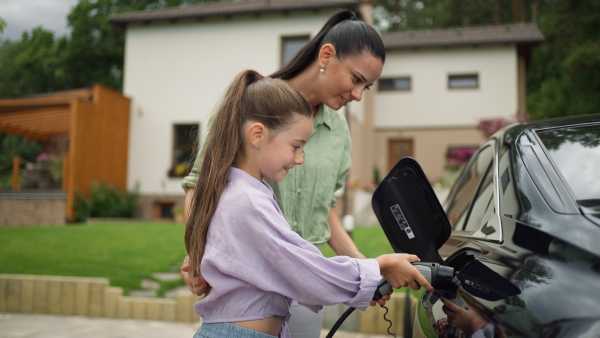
(96, 121)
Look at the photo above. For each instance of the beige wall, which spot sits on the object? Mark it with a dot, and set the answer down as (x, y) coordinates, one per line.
(430, 146)
(433, 116)
(175, 73)
(431, 104)
(148, 204)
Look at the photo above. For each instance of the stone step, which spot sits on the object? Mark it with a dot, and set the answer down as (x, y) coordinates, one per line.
(150, 287)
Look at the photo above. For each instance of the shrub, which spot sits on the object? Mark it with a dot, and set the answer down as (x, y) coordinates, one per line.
(105, 200)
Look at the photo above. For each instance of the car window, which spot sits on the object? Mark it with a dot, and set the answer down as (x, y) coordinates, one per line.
(483, 203)
(576, 153)
(467, 186)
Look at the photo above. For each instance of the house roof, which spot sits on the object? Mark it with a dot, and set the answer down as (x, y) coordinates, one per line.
(522, 33)
(228, 8)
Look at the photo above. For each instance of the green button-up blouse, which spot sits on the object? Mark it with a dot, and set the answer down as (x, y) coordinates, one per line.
(307, 192)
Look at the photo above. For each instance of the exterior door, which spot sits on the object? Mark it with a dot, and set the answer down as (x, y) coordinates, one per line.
(397, 149)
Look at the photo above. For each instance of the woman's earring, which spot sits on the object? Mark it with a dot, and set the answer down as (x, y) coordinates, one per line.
(322, 70)
(254, 149)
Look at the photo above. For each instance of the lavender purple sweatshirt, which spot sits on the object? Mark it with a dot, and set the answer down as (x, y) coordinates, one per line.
(256, 264)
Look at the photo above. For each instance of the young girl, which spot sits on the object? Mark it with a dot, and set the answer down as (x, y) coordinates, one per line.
(254, 263)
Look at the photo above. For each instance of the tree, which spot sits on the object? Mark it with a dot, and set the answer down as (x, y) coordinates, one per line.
(397, 15)
(93, 53)
(565, 74)
(11, 145)
(564, 78)
(33, 65)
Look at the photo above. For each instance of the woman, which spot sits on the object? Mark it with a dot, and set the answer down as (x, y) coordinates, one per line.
(334, 68)
(237, 238)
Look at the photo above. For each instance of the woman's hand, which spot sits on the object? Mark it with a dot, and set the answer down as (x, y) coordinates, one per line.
(398, 271)
(197, 285)
(465, 319)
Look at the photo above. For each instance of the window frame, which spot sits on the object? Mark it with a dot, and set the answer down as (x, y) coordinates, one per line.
(394, 88)
(192, 149)
(459, 224)
(287, 38)
(463, 76)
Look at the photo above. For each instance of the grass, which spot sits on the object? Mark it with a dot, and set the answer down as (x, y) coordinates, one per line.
(371, 241)
(125, 253)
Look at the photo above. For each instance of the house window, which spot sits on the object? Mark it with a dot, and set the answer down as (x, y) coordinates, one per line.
(395, 83)
(185, 147)
(163, 211)
(290, 45)
(463, 81)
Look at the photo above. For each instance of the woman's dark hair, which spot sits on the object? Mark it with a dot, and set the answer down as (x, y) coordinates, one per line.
(250, 97)
(348, 35)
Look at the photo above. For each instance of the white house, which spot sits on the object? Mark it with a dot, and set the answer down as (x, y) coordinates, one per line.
(178, 61)
(437, 85)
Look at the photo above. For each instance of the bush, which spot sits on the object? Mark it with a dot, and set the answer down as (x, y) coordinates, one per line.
(105, 200)
(11, 145)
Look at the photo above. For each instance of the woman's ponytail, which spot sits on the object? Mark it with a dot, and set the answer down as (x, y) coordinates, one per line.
(348, 35)
(307, 54)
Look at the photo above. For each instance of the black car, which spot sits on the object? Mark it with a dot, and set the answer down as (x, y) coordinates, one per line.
(520, 228)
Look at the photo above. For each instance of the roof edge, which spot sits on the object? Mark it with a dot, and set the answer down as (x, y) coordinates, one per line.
(526, 33)
(227, 9)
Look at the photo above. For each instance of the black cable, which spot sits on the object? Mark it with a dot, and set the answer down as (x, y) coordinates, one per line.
(339, 322)
(347, 313)
(387, 320)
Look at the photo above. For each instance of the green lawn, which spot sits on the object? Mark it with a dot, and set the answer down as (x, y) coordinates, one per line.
(371, 241)
(125, 253)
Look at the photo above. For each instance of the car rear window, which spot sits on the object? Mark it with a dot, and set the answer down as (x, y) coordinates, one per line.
(576, 153)
(466, 189)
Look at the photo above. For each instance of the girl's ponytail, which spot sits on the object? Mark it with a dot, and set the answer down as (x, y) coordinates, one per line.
(250, 97)
(222, 146)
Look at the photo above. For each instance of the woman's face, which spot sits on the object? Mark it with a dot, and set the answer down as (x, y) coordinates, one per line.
(345, 81)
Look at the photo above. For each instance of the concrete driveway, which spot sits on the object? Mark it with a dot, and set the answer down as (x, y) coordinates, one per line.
(21, 325)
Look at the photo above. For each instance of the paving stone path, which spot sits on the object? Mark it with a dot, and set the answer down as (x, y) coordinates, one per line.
(23, 325)
(150, 287)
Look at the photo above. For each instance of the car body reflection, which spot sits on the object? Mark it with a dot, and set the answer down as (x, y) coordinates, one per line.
(527, 208)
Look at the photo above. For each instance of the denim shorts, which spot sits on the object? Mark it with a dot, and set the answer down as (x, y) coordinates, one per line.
(218, 330)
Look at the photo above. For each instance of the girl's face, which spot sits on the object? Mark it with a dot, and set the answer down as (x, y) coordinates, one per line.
(343, 82)
(283, 150)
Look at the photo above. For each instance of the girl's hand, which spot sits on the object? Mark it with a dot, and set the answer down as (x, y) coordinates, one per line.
(398, 271)
(197, 285)
(381, 301)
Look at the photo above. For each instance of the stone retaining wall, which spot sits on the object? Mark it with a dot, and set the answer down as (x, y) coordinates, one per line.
(32, 209)
(93, 297)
